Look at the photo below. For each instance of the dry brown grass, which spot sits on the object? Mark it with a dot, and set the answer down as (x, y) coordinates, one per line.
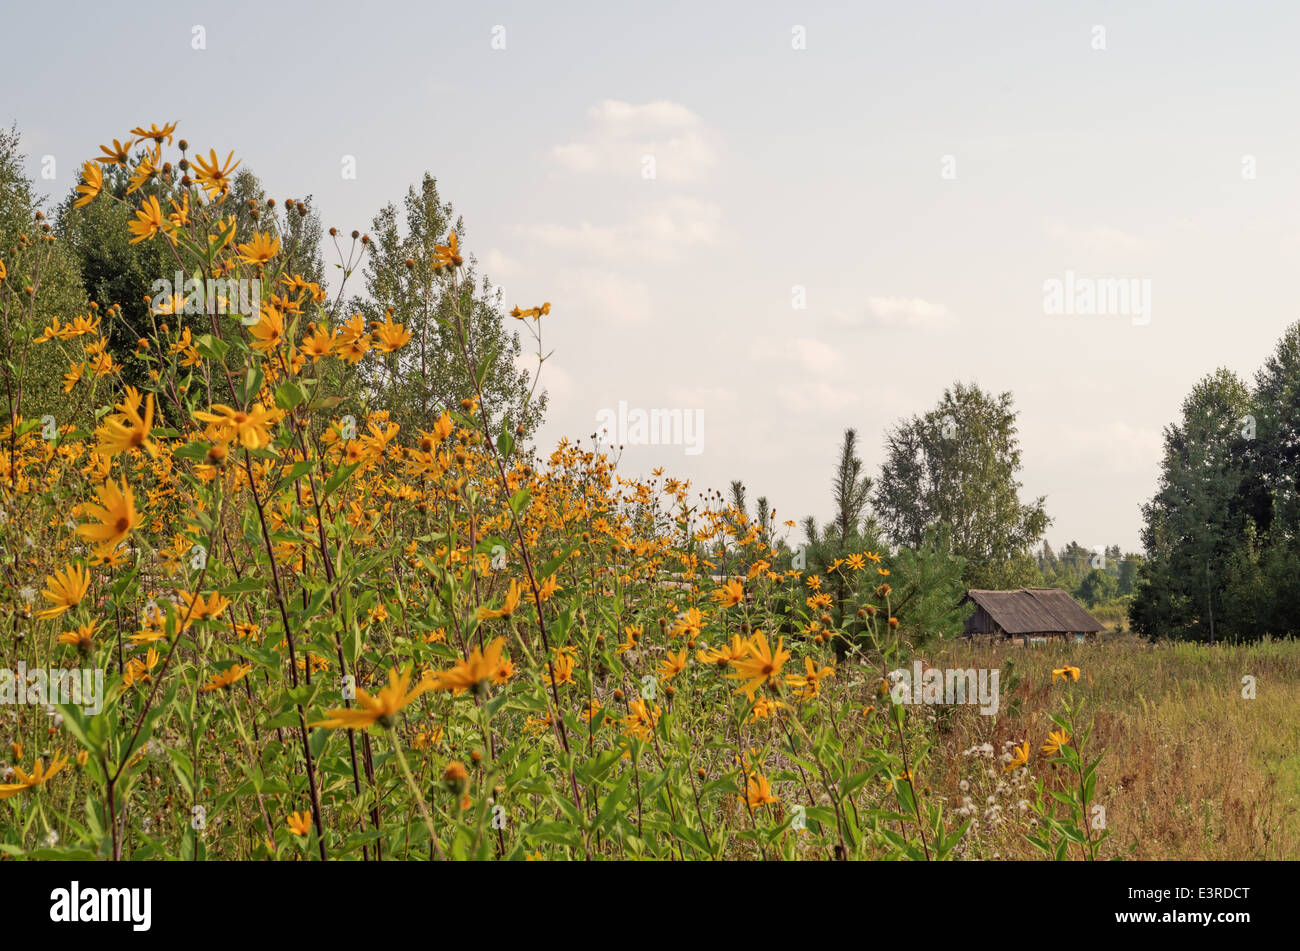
(1191, 770)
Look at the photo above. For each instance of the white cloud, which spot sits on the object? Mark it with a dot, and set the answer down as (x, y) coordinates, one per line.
(1119, 445)
(603, 297)
(660, 231)
(497, 265)
(621, 134)
(806, 353)
(555, 380)
(819, 396)
(1099, 238)
(703, 397)
(911, 313)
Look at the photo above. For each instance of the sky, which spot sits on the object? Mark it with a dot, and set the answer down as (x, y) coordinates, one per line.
(780, 219)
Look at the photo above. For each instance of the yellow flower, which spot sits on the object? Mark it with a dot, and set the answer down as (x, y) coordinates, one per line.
(72, 377)
(672, 665)
(149, 221)
(1055, 740)
(641, 719)
(81, 638)
(730, 594)
(146, 170)
(631, 635)
(155, 133)
(504, 672)
(764, 707)
(200, 609)
(513, 597)
(268, 333)
(128, 430)
(92, 182)
(906, 777)
(117, 155)
(808, 684)
(379, 709)
(318, 344)
(260, 250)
(562, 665)
(758, 792)
(351, 349)
(390, 337)
(688, 624)
(299, 823)
(250, 427)
(40, 774)
(181, 215)
(230, 675)
(724, 655)
(761, 666)
(1065, 673)
(534, 312)
(472, 673)
(65, 589)
(138, 669)
(1020, 757)
(212, 174)
(447, 255)
(115, 515)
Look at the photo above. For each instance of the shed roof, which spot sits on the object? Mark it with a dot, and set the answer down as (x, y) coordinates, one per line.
(1035, 611)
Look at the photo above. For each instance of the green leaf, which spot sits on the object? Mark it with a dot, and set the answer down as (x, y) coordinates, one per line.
(253, 380)
(289, 395)
(212, 347)
(519, 501)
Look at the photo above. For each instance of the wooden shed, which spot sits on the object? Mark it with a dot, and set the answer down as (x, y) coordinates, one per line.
(1028, 615)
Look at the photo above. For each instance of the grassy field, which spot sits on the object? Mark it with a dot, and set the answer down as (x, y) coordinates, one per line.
(1191, 769)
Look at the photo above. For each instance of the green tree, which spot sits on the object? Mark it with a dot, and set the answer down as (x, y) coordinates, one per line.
(849, 528)
(32, 372)
(1129, 567)
(929, 588)
(1276, 448)
(295, 221)
(116, 272)
(957, 465)
(1097, 586)
(428, 375)
(1200, 513)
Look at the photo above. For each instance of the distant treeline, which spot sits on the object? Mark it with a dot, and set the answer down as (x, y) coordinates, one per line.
(1092, 575)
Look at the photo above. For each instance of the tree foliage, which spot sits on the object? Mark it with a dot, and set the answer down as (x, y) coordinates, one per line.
(1222, 532)
(957, 465)
(400, 276)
